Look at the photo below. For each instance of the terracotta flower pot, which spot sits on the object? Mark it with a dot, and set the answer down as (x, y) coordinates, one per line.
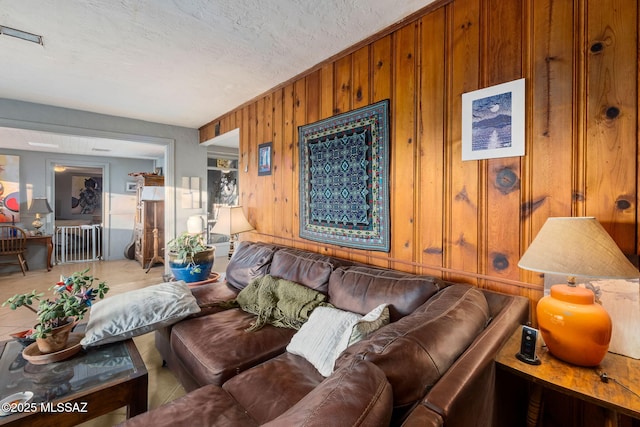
(56, 340)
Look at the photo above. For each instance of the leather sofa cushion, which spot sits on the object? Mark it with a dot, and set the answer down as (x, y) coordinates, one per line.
(307, 268)
(357, 395)
(360, 289)
(216, 347)
(429, 341)
(206, 406)
(213, 293)
(266, 391)
(250, 261)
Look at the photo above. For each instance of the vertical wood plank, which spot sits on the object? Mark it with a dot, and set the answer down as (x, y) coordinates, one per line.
(548, 184)
(250, 202)
(288, 169)
(360, 95)
(300, 118)
(276, 163)
(243, 165)
(403, 144)
(381, 75)
(206, 132)
(503, 184)
(342, 85)
(461, 247)
(267, 185)
(225, 125)
(326, 91)
(261, 199)
(431, 127)
(611, 146)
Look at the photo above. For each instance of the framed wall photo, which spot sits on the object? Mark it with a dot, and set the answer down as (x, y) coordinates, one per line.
(493, 121)
(264, 159)
(130, 187)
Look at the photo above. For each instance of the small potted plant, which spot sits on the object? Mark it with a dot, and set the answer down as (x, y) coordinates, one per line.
(190, 258)
(73, 296)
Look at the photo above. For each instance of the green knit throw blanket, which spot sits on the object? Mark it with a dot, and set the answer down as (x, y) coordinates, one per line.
(279, 302)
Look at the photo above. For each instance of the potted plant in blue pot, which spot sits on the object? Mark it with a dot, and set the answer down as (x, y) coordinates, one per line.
(190, 258)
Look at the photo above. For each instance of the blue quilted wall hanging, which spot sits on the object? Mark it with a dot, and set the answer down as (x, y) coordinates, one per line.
(344, 179)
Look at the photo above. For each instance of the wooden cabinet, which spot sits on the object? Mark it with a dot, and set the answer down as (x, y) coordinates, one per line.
(149, 216)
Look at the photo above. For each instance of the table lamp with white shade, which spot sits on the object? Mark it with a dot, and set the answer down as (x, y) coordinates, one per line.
(230, 222)
(39, 206)
(574, 327)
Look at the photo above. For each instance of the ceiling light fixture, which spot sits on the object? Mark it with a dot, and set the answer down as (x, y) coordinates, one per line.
(12, 32)
(101, 149)
(43, 144)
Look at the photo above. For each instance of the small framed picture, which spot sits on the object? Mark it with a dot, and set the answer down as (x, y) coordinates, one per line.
(130, 187)
(493, 121)
(264, 159)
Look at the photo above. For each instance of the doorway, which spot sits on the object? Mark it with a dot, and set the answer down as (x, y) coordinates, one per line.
(78, 200)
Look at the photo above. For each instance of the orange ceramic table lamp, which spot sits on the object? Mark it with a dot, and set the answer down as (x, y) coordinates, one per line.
(574, 327)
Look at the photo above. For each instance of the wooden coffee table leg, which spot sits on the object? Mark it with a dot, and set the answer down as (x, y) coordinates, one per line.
(138, 402)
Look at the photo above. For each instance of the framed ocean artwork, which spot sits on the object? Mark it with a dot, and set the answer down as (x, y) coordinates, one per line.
(493, 121)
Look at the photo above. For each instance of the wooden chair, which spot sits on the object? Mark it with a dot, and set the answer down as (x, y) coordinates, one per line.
(13, 243)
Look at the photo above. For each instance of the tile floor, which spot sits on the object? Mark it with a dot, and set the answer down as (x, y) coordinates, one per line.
(121, 276)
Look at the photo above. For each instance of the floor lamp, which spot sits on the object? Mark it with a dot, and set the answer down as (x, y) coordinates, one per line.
(230, 222)
(154, 194)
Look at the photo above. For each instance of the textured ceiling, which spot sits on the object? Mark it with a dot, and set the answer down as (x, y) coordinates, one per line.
(178, 62)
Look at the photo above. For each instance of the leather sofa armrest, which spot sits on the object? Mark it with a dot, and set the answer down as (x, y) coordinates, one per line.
(465, 395)
(422, 416)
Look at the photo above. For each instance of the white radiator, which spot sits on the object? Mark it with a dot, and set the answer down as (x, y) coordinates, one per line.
(78, 243)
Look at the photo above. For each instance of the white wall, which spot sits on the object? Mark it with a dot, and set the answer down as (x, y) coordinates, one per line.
(33, 176)
(185, 156)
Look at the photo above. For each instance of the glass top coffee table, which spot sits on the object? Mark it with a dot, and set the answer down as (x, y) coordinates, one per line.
(89, 384)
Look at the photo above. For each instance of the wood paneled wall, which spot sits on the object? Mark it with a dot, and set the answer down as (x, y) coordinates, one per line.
(469, 220)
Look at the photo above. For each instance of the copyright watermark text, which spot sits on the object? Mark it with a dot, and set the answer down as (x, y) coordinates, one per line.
(45, 407)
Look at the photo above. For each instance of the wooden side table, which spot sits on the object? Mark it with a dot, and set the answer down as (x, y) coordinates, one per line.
(619, 395)
(46, 240)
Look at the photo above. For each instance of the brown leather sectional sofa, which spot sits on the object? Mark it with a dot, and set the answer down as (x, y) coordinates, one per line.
(431, 366)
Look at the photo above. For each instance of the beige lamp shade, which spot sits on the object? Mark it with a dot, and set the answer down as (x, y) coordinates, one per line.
(230, 221)
(39, 205)
(577, 246)
(152, 193)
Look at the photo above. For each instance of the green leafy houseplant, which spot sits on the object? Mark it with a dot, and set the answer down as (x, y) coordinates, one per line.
(190, 258)
(185, 247)
(73, 296)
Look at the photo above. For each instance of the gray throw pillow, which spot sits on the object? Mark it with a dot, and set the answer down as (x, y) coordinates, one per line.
(134, 313)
